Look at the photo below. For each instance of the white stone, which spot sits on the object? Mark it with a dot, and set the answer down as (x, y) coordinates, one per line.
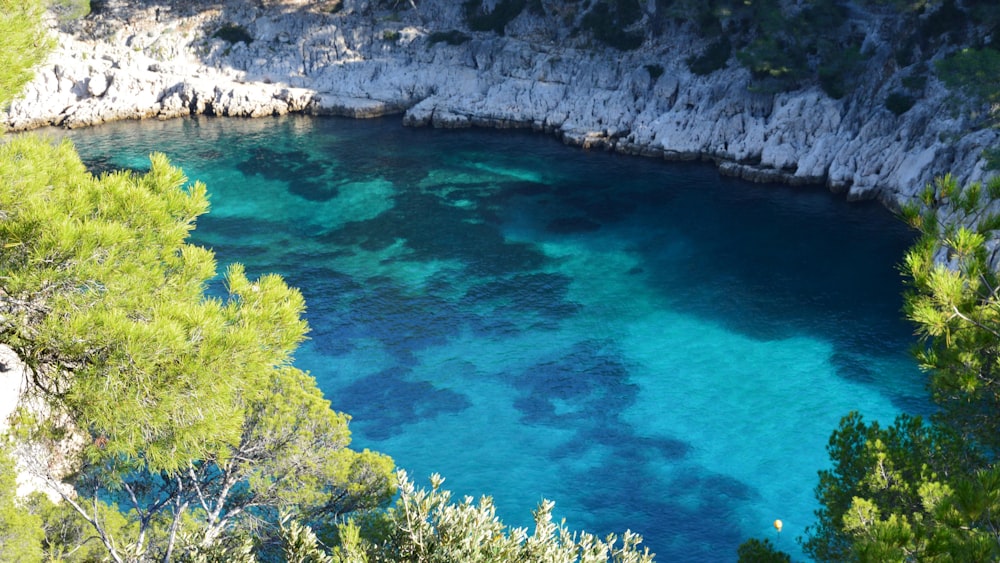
(97, 85)
(538, 76)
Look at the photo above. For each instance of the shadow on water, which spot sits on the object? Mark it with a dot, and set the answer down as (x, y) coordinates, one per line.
(305, 177)
(385, 402)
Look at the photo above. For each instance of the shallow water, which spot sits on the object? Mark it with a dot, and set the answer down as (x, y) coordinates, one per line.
(648, 344)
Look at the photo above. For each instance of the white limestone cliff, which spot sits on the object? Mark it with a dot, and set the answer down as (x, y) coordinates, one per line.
(138, 60)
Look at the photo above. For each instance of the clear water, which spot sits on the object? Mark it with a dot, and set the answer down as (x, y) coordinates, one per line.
(651, 346)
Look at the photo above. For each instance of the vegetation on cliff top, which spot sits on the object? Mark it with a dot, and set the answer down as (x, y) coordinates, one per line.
(23, 44)
(784, 45)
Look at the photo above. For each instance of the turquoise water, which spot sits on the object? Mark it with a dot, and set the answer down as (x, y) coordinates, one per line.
(649, 345)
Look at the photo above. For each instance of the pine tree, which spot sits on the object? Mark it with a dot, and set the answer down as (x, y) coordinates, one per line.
(184, 408)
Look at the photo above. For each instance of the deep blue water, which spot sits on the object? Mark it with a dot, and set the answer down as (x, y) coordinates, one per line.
(650, 345)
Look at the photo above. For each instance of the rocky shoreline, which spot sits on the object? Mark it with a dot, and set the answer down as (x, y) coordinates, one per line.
(141, 60)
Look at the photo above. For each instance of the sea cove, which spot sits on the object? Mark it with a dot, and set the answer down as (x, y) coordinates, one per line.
(647, 344)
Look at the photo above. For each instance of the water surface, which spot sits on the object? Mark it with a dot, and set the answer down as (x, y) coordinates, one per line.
(648, 344)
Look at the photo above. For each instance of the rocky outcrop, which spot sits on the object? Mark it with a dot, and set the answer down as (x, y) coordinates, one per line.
(156, 61)
(34, 463)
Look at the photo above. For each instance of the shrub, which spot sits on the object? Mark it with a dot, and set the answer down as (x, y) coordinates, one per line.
(503, 13)
(974, 71)
(69, 10)
(608, 21)
(756, 551)
(839, 71)
(429, 525)
(949, 20)
(992, 156)
(823, 17)
(712, 59)
(775, 65)
(234, 33)
(452, 37)
(899, 103)
(991, 222)
(390, 35)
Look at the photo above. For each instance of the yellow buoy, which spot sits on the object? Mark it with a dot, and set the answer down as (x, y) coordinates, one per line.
(777, 525)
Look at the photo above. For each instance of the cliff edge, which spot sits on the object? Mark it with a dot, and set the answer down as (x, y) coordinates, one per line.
(361, 58)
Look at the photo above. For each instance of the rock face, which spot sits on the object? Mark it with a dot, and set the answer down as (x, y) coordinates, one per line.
(30, 461)
(135, 61)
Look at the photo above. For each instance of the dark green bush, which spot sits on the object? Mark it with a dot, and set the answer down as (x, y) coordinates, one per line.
(775, 65)
(712, 59)
(69, 10)
(974, 71)
(899, 103)
(756, 551)
(990, 222)
(824, 17)
(233, 33)
(496, 21)
(452, 37)
(839, 70)
(992, 156)
(948, 22)
(608, 20)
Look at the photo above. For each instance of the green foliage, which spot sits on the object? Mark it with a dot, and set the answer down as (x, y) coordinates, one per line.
(193, 418)
(839, 71)
(235, 549)
(390, 35)
(427, 526)
(970, 197)
(69, 10)
(915, 82)
(992, 157)
(899, 103)
(756, 551)
(609, 20)
(912, 214)
(945, 187)
(877, 467)
(921, 491)
(23, 45)
(496, 21)
(948, 20)
(991, 222)
(776, 65)
(21, 531)
(784, 45)
(300, 544)
(993, 187)
(973, 71)
(452, 37)
(233, 33)
(70, 538)
(714, 58)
